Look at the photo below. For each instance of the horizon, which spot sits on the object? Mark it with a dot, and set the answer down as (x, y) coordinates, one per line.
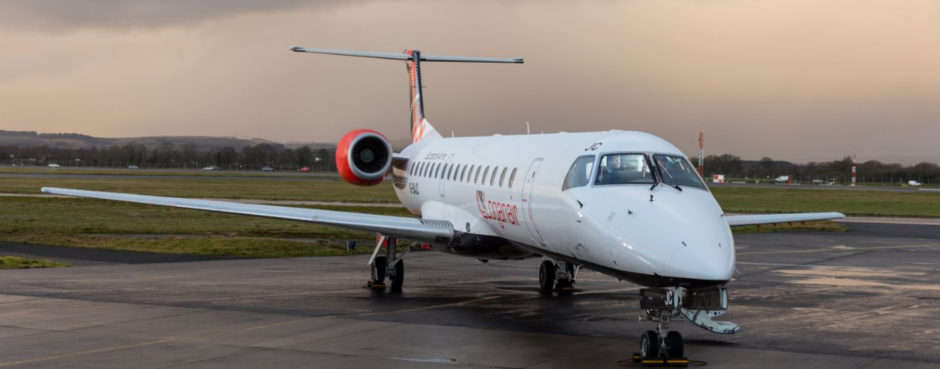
(692, 157)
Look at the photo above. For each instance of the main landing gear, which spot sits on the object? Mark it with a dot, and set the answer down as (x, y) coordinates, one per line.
(390, 266)
(557, 276)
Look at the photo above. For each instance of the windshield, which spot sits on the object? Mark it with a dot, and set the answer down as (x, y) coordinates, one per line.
(624, 169)
(677, 171)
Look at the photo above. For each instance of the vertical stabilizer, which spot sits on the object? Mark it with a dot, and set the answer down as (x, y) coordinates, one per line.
(420, 127)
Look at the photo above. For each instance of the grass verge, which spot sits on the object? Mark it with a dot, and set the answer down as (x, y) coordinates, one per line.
(15, 262)
(124, 226)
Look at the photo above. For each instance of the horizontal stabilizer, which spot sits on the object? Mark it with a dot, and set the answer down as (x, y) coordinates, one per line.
(403, 56)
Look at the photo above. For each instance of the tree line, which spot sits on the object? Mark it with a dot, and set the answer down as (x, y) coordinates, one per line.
(840, 171)
(279, 157)
(168, 155)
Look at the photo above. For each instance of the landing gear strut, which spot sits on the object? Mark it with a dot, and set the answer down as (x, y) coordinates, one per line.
(556, 276)
(390, 265)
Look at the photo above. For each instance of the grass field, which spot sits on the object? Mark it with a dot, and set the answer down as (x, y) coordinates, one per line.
(123, 226)
(262, 189)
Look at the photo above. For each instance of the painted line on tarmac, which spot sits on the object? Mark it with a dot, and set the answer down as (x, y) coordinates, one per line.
(88, 352)
(849, 248)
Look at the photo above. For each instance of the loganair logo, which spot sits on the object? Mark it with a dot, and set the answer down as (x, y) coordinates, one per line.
(498, 211)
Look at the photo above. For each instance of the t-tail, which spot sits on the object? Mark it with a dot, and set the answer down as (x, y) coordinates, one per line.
(420, 127)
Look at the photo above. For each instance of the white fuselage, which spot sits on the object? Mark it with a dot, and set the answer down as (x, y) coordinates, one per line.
(653, 235)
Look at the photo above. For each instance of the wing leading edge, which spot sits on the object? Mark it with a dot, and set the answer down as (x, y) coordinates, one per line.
(741, 220)
(436, 231)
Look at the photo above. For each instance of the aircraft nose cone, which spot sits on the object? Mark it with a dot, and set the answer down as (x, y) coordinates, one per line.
(684, 236)
(709, 260)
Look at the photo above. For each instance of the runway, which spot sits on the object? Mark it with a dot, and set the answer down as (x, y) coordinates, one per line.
(867, 298)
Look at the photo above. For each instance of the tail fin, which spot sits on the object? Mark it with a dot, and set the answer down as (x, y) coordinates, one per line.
(420, 127)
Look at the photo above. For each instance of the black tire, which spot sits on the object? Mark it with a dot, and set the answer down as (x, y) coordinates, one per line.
(378, 270)
(674, 346)
(399, 278)
(547, 276)
(649, 345)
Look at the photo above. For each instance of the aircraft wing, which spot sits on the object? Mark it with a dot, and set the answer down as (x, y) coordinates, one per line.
(436, 231)
(741, 220)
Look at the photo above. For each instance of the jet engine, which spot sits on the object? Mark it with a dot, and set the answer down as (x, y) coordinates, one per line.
(363, 157)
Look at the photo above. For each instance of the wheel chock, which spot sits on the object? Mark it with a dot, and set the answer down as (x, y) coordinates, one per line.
(680, 362)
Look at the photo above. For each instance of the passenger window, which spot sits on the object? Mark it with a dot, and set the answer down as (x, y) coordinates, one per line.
(502, 176)
(473, 169)
(512, 176)
(450, 170)
(424, 169)
(437, 170)
(580, 172)
(493, 178)
(463, 171)
(486, 172)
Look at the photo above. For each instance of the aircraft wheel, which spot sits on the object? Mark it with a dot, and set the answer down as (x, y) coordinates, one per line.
(649, 345)
(378, 270)
(547, 276)
(674, 346)
(399, 278)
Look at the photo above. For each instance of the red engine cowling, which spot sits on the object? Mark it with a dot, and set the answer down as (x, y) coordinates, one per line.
(363, 157)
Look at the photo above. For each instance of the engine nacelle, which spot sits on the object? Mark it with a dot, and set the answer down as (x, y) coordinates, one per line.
(363, 157)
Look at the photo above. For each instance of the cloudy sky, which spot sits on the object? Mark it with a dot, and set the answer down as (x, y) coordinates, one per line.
(792, 79)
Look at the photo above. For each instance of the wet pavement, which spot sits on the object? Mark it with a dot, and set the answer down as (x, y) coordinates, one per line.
(868, 298)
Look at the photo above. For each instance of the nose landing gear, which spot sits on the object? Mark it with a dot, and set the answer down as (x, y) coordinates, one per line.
(661, 347)
(662, 305)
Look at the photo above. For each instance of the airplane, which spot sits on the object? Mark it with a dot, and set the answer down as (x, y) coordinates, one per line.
(626, 204)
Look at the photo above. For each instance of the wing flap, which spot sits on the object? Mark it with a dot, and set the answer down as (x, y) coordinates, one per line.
(753, 219)
(410, 228)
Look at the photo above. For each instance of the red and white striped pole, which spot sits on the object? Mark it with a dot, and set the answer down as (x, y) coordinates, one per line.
(854, 163)
(701, 153)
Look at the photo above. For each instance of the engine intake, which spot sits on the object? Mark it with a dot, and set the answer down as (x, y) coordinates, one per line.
(363, 157)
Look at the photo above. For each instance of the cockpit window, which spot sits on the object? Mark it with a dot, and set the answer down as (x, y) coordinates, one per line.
(579, 174)
(624, 169)
(677, 171)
